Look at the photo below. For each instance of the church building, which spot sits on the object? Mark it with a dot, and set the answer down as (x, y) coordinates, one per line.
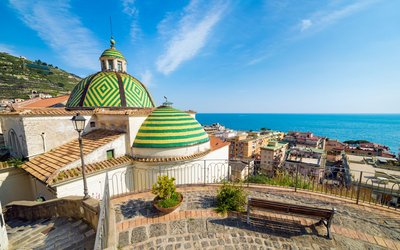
(126, 135)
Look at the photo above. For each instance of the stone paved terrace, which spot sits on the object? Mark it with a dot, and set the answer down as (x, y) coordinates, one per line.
(197, 226)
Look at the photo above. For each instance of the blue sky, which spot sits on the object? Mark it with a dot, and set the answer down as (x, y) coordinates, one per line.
(272, 56)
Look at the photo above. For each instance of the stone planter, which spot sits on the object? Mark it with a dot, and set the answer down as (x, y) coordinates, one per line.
(169, 209)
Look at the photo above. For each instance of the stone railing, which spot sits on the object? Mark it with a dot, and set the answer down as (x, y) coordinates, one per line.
(70, 206)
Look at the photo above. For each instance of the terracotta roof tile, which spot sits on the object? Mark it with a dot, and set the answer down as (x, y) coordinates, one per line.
(44, 102)
(31, 111)
(217, 143)
(72, 173)
(48, 164)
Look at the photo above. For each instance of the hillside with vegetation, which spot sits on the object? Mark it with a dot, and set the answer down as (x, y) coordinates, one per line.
(19, 77)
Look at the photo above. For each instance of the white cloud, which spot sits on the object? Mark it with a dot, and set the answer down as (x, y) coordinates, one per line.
(7, 48)
(146, 78)
(325, 18)
(61, 30)
(189, 35)
(305, 24)
(130, 9)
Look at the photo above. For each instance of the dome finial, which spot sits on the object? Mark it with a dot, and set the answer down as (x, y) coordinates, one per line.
(167, 103)
(112, 42)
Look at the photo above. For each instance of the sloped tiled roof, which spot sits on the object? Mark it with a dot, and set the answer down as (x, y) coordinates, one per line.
(216, 143)
(44, 102)
(73, 173)
(46, 112)
(65, 112)
(46, 165)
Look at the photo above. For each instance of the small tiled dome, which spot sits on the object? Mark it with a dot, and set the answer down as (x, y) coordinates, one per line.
(167, 127)
(112, 53)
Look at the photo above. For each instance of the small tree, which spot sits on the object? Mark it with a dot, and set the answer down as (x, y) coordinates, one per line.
(164, 187)
(231, 197)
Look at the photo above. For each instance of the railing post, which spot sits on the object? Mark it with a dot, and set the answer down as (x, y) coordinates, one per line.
(248, 170)
(205, 172)
(359, 187)
(297, 177)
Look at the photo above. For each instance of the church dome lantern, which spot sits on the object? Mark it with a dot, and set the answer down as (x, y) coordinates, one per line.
(112, 60)
(111, 87)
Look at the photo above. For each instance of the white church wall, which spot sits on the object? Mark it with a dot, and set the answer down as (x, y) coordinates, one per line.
(40, 190)
(100, 154)
(134, 125)
(95, 183)
(14, 135)
(211, 168)
(38, 134)
(112, 122)
(15, 185)
(3, 231)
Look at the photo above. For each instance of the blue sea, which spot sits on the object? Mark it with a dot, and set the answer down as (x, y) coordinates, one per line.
(380, 128)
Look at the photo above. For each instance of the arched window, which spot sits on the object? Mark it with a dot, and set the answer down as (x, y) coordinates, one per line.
(14, 144)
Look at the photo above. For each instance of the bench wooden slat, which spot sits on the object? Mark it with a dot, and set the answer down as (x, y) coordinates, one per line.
(325, 215)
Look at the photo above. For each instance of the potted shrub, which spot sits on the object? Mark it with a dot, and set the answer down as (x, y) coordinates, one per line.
(167, 199)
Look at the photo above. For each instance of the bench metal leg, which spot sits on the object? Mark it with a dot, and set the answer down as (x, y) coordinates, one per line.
(248, 211)
(248, 214)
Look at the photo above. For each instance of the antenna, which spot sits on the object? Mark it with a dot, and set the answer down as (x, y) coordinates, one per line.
(111, 31)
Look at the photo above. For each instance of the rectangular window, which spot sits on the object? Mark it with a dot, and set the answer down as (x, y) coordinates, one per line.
(110, 64)
(119, 66)
(92, 124)
(103, 64)
(110, 154)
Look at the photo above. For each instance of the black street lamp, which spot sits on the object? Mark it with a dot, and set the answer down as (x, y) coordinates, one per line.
(79, 125)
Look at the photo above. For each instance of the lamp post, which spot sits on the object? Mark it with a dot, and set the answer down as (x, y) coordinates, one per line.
(79, 125)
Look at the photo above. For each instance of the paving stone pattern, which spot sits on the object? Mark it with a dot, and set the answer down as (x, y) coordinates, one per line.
(354, 227)
(231, 233)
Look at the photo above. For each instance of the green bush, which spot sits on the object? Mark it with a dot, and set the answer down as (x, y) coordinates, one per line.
(16, 162)
(164, 187)
(281, 179)
(231, 197)
(170, 202)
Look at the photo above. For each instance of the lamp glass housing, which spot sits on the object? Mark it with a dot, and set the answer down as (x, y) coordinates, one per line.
(79, 122)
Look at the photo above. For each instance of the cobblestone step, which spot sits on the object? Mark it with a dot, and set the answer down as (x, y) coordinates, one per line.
(56, 233)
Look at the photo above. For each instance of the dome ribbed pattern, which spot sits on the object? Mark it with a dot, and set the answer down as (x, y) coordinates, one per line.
(112, 52)
(110, 89)
(167, 127)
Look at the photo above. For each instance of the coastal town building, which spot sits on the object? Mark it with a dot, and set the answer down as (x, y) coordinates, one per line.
(220, 131)
(126, 136)
(248, 145)
(369, 149)
(272, 156)
(304, 139)
(307, 161)
(334, 145)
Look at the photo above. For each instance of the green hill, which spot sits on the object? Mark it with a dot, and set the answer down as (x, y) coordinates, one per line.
(19, 77)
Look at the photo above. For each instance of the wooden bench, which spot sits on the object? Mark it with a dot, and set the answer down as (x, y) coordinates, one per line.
(325, 215)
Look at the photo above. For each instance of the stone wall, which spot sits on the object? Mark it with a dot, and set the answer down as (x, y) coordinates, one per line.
(71, 206)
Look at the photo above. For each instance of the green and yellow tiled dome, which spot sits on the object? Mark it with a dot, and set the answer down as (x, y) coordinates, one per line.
(167, 127)
(110, 89)
(113, 53)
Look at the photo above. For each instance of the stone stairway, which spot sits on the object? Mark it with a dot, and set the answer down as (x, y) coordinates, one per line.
(55, 233)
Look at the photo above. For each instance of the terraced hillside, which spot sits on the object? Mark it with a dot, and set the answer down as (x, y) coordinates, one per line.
(19, 77)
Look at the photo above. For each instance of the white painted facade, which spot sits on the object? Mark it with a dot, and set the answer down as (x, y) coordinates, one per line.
(95, 184)
(3, 231)
(15, 184)
(100, 154)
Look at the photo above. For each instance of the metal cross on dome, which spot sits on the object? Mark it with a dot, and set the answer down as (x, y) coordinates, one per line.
(167, 103)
